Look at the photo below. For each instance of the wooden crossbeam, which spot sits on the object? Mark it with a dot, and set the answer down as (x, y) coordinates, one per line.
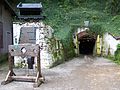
(31, 50)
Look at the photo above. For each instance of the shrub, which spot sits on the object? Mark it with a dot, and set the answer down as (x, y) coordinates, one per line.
(117, 53)
(3, 58)
(112, 6)
(97, 29)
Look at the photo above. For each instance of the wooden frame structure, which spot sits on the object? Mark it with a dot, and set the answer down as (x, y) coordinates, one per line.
(32, 50)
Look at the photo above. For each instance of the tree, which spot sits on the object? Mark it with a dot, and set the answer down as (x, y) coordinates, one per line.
(113, 7)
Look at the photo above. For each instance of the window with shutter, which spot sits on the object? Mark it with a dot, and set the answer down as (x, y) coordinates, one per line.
(1, 35)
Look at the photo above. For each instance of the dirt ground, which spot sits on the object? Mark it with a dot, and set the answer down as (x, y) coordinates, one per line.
(77, 74)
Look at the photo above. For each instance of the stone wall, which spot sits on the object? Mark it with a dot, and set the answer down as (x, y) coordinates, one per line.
(52, 52)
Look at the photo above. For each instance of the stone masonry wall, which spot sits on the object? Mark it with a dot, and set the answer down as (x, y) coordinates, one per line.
(52, 52)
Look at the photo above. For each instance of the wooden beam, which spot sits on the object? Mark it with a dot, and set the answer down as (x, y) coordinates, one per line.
(8, 78)
(24, 78)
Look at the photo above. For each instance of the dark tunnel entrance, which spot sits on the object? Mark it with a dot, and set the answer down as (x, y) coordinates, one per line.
(86, 45)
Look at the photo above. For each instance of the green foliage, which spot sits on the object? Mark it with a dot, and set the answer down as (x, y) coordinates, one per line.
(111, 57)
(117, 53)
(3, 58)
(113, 6)
(68, 2)
(66, 38)
(116, 57)
(63, 15)
(56, 63)
(97, 29)
(113, 25)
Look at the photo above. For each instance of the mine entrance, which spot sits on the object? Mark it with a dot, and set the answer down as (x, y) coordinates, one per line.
(86, 43)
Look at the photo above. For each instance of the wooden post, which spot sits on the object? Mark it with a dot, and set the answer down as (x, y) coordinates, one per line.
(10, 73)
(38, 64)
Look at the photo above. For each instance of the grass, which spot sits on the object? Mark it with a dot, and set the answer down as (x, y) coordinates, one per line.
(116, 57)
(3, 58)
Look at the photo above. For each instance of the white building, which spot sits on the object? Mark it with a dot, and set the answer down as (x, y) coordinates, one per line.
(110, 43)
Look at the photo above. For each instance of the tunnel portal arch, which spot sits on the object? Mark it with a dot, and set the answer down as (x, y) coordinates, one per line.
(86, 43)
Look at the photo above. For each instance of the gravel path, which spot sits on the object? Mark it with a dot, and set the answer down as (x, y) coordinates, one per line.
(78, 74)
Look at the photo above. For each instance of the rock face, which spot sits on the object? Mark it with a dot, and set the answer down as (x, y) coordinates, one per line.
(38, 33)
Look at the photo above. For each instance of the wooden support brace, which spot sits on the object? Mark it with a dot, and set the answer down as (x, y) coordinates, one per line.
(8, 78)
(39, 80)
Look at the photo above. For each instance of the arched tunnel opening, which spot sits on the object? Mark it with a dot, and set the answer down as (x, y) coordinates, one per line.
(86, 44)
